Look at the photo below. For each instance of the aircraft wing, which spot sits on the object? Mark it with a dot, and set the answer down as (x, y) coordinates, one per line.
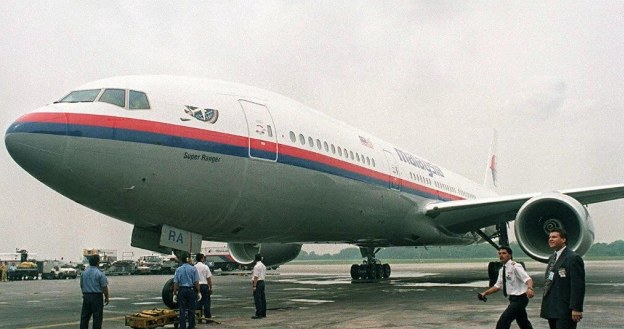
(469, 215)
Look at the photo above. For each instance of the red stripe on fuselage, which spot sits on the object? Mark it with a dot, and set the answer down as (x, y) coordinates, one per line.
(216, 137)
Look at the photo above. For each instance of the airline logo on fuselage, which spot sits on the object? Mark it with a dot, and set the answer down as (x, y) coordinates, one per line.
(205, 115)
(419, 163)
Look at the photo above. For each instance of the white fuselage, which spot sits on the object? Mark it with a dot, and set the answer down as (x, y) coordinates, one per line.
(236, 164)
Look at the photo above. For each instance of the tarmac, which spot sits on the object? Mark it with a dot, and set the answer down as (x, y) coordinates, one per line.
(419, 295)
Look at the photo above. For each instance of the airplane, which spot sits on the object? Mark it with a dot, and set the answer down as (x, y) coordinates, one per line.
(187, 159)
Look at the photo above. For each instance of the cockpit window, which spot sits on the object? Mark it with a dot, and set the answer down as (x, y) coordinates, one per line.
(114, 96)
(80, 96)
(138, 100)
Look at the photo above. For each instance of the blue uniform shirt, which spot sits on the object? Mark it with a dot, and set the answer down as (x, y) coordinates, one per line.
(92, 280)
(186, 275)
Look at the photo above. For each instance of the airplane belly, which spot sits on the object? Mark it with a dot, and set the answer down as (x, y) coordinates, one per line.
(289, 204)
(149, 185)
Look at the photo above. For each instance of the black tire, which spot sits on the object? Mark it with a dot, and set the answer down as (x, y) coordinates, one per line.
(386, 271)
(167, 294)
(362, 271)
(355, 271)
(371, 271)
(493, 269)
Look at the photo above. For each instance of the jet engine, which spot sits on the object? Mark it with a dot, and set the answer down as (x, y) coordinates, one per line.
(273, 254)
(545, 212)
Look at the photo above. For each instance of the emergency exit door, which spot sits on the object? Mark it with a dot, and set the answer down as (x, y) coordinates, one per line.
(261, 131)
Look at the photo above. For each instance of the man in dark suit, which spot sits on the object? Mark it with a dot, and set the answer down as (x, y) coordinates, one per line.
(564, 288)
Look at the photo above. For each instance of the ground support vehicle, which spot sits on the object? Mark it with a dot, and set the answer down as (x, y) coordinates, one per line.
(54, 269)
(26, 271)
(122, 267)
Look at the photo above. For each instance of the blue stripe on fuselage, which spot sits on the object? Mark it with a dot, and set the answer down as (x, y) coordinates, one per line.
(128, 135)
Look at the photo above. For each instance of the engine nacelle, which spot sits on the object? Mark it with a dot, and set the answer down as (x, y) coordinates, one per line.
(547, 211)
(273, 254)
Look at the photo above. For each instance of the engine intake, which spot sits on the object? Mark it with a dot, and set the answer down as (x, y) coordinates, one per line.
(273, 253)
(544, 212)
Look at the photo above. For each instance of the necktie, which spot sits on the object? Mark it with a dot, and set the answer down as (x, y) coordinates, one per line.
(504, 281)
(551, 265)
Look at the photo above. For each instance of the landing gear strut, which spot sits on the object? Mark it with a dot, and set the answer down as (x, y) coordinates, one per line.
(371, 268)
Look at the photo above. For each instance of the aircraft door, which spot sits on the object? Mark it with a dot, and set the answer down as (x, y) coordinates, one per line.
(261, 131)
(393, 176)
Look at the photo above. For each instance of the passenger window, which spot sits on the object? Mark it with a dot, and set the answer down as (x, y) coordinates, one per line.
(81, 96)
(333, 147)
(301, 139)
(326, 146)
(318, 143)
(114, 96)
(339, 151)
(293, 138)
(138, 100)
(310, 141)
(269, 131)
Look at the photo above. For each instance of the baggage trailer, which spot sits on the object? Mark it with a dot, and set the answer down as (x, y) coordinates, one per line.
(156, 318)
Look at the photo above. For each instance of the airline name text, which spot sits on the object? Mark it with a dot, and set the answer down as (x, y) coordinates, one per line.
(419, 163)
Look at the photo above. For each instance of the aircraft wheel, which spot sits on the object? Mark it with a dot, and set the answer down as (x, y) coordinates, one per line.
(386, 271)
(167, 294)
(493, 269)
(355, 271)
(371, 272)
(378, 271)
(362, 271)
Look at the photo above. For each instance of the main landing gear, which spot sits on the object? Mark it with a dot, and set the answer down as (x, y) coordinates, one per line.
(371, 268)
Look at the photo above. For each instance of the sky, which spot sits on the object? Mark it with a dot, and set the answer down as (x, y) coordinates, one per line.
(433, 77)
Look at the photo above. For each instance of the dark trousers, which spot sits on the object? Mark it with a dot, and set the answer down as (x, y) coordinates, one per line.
(515, 311)
(92, 304)
(186, 305)
(204, 303)
(562, 323)
(260, 299)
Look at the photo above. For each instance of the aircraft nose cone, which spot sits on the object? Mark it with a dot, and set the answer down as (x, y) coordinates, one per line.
(36, 141)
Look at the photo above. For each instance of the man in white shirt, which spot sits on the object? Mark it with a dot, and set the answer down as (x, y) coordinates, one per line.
(259, 272)
(518, 285)
(205, 285)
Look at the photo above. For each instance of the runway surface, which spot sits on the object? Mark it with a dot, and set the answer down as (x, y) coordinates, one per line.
(322, 296)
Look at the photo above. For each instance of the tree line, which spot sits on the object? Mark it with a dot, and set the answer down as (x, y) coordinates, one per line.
(484, 250)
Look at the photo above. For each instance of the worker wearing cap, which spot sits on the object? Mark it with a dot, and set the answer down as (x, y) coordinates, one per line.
(93, 284)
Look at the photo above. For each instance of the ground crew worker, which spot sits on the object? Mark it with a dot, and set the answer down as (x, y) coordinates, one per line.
(12, 269)
(205, 285)
(93, 284)
(259, 273)
(4, 269)
(518, 285)
(186, 292)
